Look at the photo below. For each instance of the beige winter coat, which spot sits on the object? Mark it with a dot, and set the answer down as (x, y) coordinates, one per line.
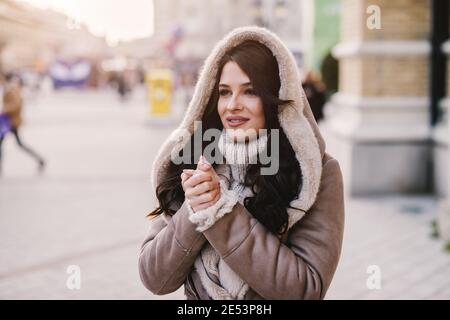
(299, 266)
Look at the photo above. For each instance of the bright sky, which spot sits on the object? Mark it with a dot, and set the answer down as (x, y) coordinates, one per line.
(118, 20)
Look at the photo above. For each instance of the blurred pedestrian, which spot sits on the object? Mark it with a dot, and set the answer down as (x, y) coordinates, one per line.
(315, 93)
(12, 108)
(123, 86)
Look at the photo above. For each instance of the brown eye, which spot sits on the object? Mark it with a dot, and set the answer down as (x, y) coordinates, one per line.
(250, 92)
(223, 92)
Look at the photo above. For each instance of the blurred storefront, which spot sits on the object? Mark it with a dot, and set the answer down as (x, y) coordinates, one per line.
(321, 30)
(34, 39)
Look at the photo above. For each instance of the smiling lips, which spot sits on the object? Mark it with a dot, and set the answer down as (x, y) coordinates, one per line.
(236, 121)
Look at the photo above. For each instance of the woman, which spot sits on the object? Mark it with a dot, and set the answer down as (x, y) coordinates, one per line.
(226, 231)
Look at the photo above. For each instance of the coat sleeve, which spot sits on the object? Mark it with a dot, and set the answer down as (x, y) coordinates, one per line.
(301, 269)
(168, 252)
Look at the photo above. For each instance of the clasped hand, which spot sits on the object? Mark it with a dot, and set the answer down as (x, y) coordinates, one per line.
(201, 186)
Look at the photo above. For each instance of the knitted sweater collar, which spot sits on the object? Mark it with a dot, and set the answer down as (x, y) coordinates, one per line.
(239, 154)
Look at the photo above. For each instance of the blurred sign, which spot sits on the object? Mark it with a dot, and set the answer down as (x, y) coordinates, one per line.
(70, 74)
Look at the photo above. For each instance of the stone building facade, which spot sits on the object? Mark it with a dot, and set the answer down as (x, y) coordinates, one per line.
(378, 124)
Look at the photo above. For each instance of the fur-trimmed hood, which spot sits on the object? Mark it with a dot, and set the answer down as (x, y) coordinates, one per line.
(296, 119)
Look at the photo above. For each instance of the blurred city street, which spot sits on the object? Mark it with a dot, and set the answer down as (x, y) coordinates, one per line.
(88, 209)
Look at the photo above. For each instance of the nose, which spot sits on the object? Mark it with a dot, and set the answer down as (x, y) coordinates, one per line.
(234, 104)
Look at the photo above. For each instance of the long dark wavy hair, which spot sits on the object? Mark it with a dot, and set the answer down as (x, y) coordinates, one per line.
(272, 193)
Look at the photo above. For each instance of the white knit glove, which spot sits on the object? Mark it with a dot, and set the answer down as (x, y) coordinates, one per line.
(205, 218)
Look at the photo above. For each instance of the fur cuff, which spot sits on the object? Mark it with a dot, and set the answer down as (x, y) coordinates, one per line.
(205, 218)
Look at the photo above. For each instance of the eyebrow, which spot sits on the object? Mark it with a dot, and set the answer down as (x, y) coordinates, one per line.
(242, 85)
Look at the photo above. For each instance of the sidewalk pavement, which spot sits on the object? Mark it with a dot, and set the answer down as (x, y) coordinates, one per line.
(391, 237)
(88, 209)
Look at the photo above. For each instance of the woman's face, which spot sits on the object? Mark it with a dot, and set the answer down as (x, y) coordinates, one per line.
(238, 106)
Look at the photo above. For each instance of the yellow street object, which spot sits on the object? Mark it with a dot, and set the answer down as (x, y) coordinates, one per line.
(160, 89)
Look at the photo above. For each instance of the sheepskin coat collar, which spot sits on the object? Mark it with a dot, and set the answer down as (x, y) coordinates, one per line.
(296, 119)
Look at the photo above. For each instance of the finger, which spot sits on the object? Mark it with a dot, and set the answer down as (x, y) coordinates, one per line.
(205, 205)
(205, 161)
(202, 188)
(216, 198)
(204, 167)
(189, 172)
(184, 177)
(199, 189)
(203, 164)
(204, 198)
(197, 178)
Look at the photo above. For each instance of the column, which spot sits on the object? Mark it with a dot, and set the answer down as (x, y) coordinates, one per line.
(377, 124)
